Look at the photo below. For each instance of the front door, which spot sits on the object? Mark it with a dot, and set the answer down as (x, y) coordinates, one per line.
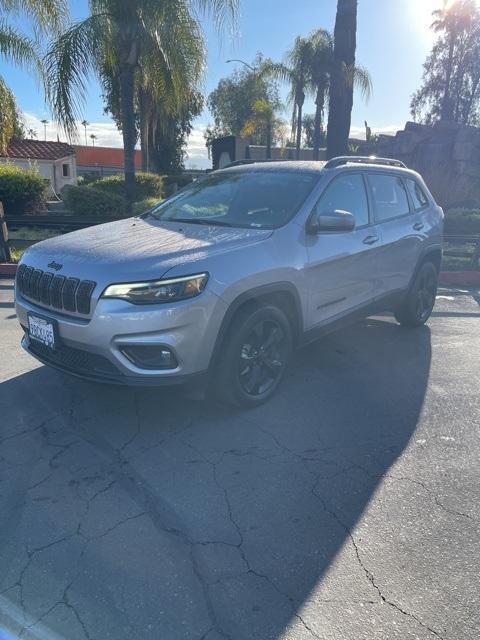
(342, 271)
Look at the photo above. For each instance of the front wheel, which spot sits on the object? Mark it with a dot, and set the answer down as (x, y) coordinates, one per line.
(418, 305)
(258, 347)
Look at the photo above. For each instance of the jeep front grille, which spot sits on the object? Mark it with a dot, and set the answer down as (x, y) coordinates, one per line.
(53, 290)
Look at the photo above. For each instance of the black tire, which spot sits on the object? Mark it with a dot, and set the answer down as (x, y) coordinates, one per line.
(420, 300)
(254, 357)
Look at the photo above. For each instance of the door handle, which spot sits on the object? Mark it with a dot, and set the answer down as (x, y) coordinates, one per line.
(370, 240)
(418, 226)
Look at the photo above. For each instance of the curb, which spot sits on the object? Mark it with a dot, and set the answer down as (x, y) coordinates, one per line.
(7, 269)
(459, 278)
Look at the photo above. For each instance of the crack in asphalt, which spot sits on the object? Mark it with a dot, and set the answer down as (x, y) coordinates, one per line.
(240, 544)
(368, 573)
(23, 432)
(424, 486)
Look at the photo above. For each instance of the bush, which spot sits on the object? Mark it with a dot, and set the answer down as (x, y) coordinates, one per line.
(21, 190)
(89, 202)
(462, 222)
(148, 185)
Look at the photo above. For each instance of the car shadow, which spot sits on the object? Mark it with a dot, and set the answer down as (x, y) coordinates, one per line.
(175, 509)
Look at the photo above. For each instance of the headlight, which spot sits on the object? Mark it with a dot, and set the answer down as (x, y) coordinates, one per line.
(159, 291)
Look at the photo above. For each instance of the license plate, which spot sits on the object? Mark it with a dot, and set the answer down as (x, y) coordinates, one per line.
(42, 330)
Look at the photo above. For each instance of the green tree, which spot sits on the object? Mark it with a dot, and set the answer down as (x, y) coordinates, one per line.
(47, 16)
(451, 79)
(262, 121)
(232, 102)
(127, 40)
(342, 78)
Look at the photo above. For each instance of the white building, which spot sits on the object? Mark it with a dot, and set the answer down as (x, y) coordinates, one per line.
(54, 161)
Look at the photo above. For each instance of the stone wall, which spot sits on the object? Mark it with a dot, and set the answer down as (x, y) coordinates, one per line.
(447, 155)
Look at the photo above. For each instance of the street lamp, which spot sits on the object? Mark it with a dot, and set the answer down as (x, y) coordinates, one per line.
(244, 63)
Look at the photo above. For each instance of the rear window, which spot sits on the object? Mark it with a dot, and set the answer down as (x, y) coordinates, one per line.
(256, 199)
(417, 194)
(389, 196)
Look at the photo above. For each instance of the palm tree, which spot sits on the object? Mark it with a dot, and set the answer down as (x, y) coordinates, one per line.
(295, 71)
(47, 16)
(321, 67)
(85, 125)
(118, 39)
(342, 78)
(93, 137)
(32, 133)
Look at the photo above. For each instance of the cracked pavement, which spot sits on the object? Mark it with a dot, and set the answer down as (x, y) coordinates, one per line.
(347, 508)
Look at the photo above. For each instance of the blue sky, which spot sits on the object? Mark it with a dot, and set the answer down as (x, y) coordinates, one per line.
(393, 41)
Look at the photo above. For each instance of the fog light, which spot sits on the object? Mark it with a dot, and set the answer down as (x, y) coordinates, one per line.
(150, 356)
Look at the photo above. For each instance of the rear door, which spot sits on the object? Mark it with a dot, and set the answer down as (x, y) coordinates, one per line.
(401, 239)
(342, 270)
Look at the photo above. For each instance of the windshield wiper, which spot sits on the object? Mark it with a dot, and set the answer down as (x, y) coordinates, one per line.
(204, 221)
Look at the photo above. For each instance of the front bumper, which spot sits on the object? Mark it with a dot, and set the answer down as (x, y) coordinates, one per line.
(91, 348)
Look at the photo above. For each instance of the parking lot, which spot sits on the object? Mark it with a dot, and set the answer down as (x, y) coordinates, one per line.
(348, 507)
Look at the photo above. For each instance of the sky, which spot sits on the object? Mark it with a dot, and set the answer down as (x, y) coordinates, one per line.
(393, 40)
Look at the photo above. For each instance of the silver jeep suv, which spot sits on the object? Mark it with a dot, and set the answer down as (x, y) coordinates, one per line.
(225, 277)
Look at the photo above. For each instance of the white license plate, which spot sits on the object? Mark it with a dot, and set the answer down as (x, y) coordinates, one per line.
(42, 331)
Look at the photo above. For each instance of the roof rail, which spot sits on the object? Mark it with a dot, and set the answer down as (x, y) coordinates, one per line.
(340, 160)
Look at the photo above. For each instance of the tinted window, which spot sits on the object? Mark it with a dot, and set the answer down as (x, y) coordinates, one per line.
(258, 199)
(419, 199)
(390, 196)
(346, 193)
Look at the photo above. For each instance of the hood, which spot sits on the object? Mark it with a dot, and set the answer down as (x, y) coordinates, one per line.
(137, 248)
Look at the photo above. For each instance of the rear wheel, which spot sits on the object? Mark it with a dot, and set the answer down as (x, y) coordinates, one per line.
(255, 357)
(418, 305)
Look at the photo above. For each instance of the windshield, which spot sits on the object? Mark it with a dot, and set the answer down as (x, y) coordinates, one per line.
(263, 199)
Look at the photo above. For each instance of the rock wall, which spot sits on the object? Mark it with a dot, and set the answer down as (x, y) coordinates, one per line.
(447, 155)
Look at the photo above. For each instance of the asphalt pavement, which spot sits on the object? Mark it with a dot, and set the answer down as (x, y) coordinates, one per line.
(347, 508)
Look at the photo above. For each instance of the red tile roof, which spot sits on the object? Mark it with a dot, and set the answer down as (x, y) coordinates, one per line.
(38, 150)
(103, 157)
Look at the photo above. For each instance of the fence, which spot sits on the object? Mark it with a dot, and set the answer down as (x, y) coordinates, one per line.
(462, 249)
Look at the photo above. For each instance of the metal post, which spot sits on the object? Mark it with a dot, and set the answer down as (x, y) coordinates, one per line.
(4, 248)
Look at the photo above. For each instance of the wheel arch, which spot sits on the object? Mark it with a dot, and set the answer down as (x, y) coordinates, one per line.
(282, 295)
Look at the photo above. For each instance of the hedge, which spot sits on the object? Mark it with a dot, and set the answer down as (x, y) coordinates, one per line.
(21, 190)
(462, 222)
(148, 185)
(89, 202)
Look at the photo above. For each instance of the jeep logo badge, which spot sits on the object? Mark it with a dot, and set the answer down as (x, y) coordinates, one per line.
(55, 265)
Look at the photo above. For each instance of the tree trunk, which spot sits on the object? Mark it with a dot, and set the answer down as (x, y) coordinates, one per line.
(143, 129)
(320, 104)
(127, 90)
(341, 88)
(301, 99)
(269, 140)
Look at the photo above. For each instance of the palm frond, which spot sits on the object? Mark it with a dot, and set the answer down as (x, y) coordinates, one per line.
(224, 12)
(17, 48)
(77, 52)
(48, 15)
(358, 77)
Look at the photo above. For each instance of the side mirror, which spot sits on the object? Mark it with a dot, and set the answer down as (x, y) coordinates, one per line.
(337, 221)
